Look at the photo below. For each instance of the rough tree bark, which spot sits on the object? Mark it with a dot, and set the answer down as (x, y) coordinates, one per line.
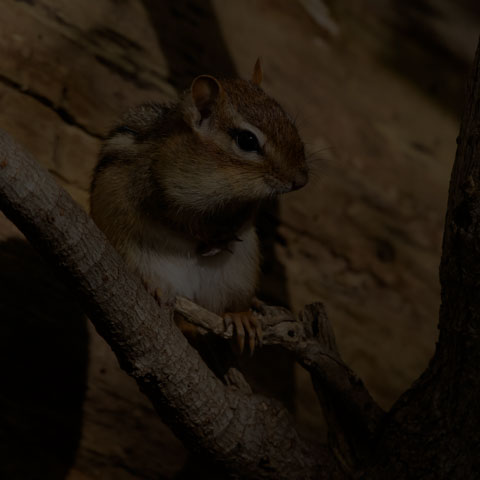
(431, 432)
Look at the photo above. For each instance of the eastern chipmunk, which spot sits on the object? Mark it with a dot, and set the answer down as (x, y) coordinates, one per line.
(177, 186)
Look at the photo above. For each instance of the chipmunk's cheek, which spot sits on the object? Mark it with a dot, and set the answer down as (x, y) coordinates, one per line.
(262, 190)
(249, 188)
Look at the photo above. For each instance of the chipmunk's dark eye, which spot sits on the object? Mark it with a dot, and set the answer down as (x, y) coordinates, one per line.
(247, 141)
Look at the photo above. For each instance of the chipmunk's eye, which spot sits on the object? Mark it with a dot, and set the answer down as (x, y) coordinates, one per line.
(247, 141)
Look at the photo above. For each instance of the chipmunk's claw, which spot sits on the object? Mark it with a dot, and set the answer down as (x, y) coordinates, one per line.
(245, 324)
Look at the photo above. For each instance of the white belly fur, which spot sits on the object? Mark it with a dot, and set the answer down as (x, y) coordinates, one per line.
(222, 282)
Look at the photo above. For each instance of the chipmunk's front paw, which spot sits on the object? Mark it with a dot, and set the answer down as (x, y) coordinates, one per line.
(246, 324)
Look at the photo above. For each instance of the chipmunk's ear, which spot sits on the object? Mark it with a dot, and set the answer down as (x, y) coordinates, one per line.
(257, 72)
(205, 92)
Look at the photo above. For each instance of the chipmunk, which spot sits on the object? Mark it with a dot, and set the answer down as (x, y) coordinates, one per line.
(177, 186)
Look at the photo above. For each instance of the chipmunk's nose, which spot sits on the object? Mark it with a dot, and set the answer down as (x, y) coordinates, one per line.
(300, 180)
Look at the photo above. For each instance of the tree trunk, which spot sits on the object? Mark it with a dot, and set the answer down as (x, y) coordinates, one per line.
(433, 430)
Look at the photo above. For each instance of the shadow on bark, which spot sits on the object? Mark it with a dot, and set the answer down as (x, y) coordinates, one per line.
(43, 358)
(191, 40)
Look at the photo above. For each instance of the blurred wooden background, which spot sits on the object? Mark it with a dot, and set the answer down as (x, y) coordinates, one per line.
(376, 87)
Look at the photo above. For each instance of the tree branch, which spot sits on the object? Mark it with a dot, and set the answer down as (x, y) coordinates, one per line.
(352, 415)
(242, 432)
(153, 351)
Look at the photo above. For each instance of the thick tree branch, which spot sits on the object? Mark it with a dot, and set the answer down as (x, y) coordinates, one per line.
(243, 432)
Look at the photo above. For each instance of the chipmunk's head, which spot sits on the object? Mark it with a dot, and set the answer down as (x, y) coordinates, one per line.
(246, 147)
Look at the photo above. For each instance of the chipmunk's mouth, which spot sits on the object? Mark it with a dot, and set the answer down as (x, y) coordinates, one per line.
(280, 187)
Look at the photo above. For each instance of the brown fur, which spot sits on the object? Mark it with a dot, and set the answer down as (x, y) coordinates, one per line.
(177, 167)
